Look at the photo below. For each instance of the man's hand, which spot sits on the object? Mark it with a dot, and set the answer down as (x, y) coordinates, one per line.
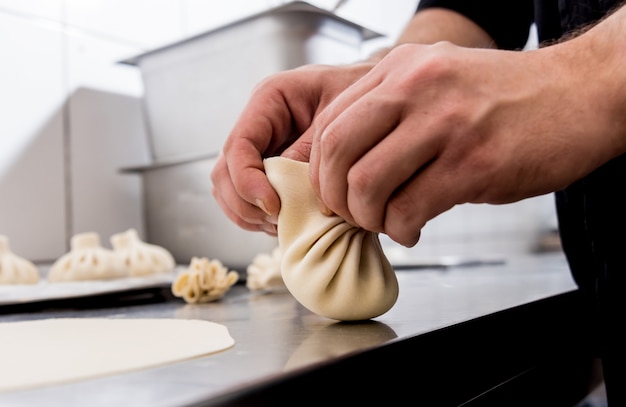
(430, 127)
(275, 121)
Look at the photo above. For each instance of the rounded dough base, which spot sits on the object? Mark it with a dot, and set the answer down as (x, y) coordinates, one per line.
(54, 351)
(334, 269)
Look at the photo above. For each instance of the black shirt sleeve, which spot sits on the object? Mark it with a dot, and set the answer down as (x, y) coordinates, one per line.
(506, 21)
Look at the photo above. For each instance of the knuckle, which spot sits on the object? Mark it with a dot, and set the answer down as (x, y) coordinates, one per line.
(360, 182)
(329, 138)
(401, 206)
(216, 175)
(269, 81)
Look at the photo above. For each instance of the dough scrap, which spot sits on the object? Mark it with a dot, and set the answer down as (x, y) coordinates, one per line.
(54, 351)
(87, 260)
(204, 281)
(15, 269)
(141, 258)
(334, 269)
(264, 271)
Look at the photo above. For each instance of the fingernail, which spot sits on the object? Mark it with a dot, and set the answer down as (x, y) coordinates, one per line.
(261, 205)
(271, 229)
(323, 208)
(273, 219)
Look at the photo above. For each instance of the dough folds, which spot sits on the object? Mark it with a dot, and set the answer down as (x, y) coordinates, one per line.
(334, 269)
(141, 258)
(264, 271)
(204, 281)
(15, 269)
(87, 260)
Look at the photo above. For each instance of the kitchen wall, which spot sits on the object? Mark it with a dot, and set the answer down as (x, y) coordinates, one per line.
(72, 119)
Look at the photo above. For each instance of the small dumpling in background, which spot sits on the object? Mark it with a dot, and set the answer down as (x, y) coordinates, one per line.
(204, 281)
(334, 269)
(87, 260)
(264, 271)
(15, 269)
(141, 258)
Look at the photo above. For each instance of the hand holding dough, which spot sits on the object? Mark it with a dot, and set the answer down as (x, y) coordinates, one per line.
(15, 269)
(204, 281)
(87, 260)
(332, 268)
(141, 258)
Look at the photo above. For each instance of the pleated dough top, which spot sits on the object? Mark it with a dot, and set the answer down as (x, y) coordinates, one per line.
(141, 258)
(87, 260)
(334, 269)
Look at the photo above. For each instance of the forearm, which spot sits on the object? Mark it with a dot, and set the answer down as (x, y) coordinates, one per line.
(599, 55)
(437, 24)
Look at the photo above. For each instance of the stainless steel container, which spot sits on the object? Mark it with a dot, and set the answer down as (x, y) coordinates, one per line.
(196, 88)
(194, 91)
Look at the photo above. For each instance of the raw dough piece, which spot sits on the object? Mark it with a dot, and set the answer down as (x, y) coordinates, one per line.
(87, 260)
(334, 269)
(141, 258)
(264, 272)
(15, 269)
(53, 351)
(204, 281)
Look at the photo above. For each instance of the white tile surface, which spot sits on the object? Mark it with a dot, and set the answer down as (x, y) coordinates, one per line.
(106, 135)
(49, 9)
(32, 210)
(93, 62)
(144, 23)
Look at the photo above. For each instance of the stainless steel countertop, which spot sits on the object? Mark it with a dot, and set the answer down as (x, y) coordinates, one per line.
(274, 334)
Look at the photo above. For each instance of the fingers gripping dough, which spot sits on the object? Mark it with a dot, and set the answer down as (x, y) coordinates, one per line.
(332, 268)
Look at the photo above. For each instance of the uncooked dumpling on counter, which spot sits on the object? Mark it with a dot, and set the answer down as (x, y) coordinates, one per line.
(15, 269)
(204, 281)
(264, 271)
(87, 260)
(334, 269)
(141, 258)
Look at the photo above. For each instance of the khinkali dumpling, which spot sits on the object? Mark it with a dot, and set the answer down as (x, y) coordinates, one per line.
(332, 268)
(87, 260)
(264, 271)
(15, 269)
(141, 258)
(204, 281)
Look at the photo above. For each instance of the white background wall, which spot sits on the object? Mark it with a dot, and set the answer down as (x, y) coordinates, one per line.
(71, 118)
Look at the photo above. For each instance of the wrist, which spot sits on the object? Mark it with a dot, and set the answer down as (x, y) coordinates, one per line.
(606, 45)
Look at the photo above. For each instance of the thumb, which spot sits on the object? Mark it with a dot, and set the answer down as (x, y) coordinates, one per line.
(300, 150)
